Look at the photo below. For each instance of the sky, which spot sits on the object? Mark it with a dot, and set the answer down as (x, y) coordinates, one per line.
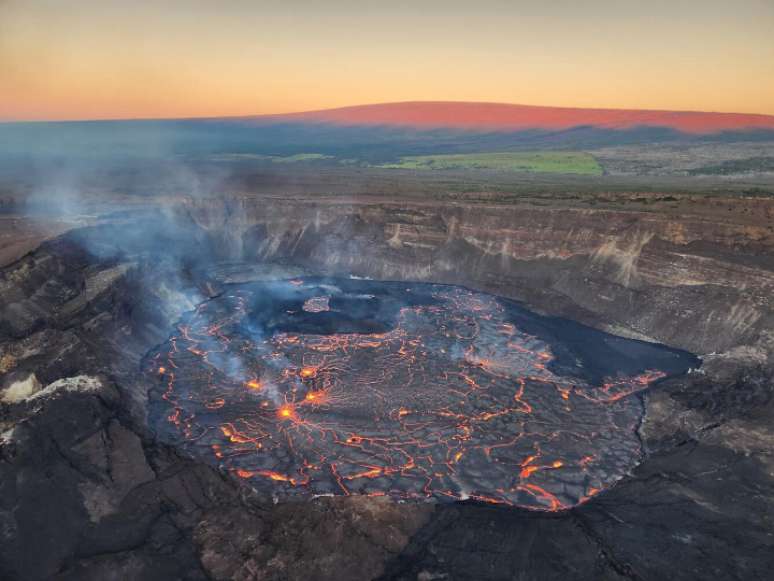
(111, 59)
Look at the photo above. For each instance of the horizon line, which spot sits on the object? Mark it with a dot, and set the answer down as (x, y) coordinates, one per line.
(364, 105)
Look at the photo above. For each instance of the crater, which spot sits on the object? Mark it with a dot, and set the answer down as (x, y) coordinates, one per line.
(316, 386)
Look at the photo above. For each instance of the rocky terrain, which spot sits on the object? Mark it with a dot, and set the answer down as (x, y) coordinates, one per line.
(86, 492)
(695, 159)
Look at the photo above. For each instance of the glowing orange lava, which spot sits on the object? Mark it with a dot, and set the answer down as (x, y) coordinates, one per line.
(287, 412)
(456, 400)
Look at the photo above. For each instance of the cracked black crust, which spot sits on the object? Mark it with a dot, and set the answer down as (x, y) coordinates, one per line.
(699, 506)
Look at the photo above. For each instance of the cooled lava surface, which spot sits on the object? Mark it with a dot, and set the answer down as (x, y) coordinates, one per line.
(313, 387)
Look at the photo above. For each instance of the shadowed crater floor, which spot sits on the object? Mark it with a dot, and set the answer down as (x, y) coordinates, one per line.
(339, 386)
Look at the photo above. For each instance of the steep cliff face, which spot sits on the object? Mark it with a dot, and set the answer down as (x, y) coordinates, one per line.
(703, 282)
(692, 272)
(700, 504)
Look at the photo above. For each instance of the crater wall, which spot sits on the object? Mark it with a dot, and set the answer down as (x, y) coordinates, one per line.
(703, 282)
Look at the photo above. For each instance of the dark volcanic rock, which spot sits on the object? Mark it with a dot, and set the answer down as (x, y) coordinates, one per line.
(86, 492)
(78, 485)
(83, 497)
(328, 539)
(481, 542)
(683, 509)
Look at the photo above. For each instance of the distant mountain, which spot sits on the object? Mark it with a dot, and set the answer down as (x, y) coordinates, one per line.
(381, 133)
(506, 117)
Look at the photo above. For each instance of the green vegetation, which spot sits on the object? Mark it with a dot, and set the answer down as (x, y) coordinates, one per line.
(299, 157)
(572, 162)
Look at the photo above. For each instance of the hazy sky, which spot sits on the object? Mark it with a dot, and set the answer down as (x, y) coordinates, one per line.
(113, 59)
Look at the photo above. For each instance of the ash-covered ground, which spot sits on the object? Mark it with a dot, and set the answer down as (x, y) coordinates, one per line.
(343, 387)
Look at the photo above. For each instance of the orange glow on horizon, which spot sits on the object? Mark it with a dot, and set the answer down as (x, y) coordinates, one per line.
(193, 58)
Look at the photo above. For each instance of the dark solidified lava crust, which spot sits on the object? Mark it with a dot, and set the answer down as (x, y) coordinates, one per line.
(409, 390)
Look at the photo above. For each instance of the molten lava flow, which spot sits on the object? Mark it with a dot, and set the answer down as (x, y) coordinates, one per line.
(308, 372)
(455, 400)
(287, 412)
(315, 397)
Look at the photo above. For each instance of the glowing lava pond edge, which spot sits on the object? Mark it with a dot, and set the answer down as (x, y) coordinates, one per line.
(412, 390)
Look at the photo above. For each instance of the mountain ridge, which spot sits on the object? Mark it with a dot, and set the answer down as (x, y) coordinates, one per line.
(469, 115)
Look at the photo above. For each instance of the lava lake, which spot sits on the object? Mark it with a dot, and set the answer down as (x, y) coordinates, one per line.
(411, 390)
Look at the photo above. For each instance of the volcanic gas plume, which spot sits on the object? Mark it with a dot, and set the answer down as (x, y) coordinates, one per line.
(406, 390)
